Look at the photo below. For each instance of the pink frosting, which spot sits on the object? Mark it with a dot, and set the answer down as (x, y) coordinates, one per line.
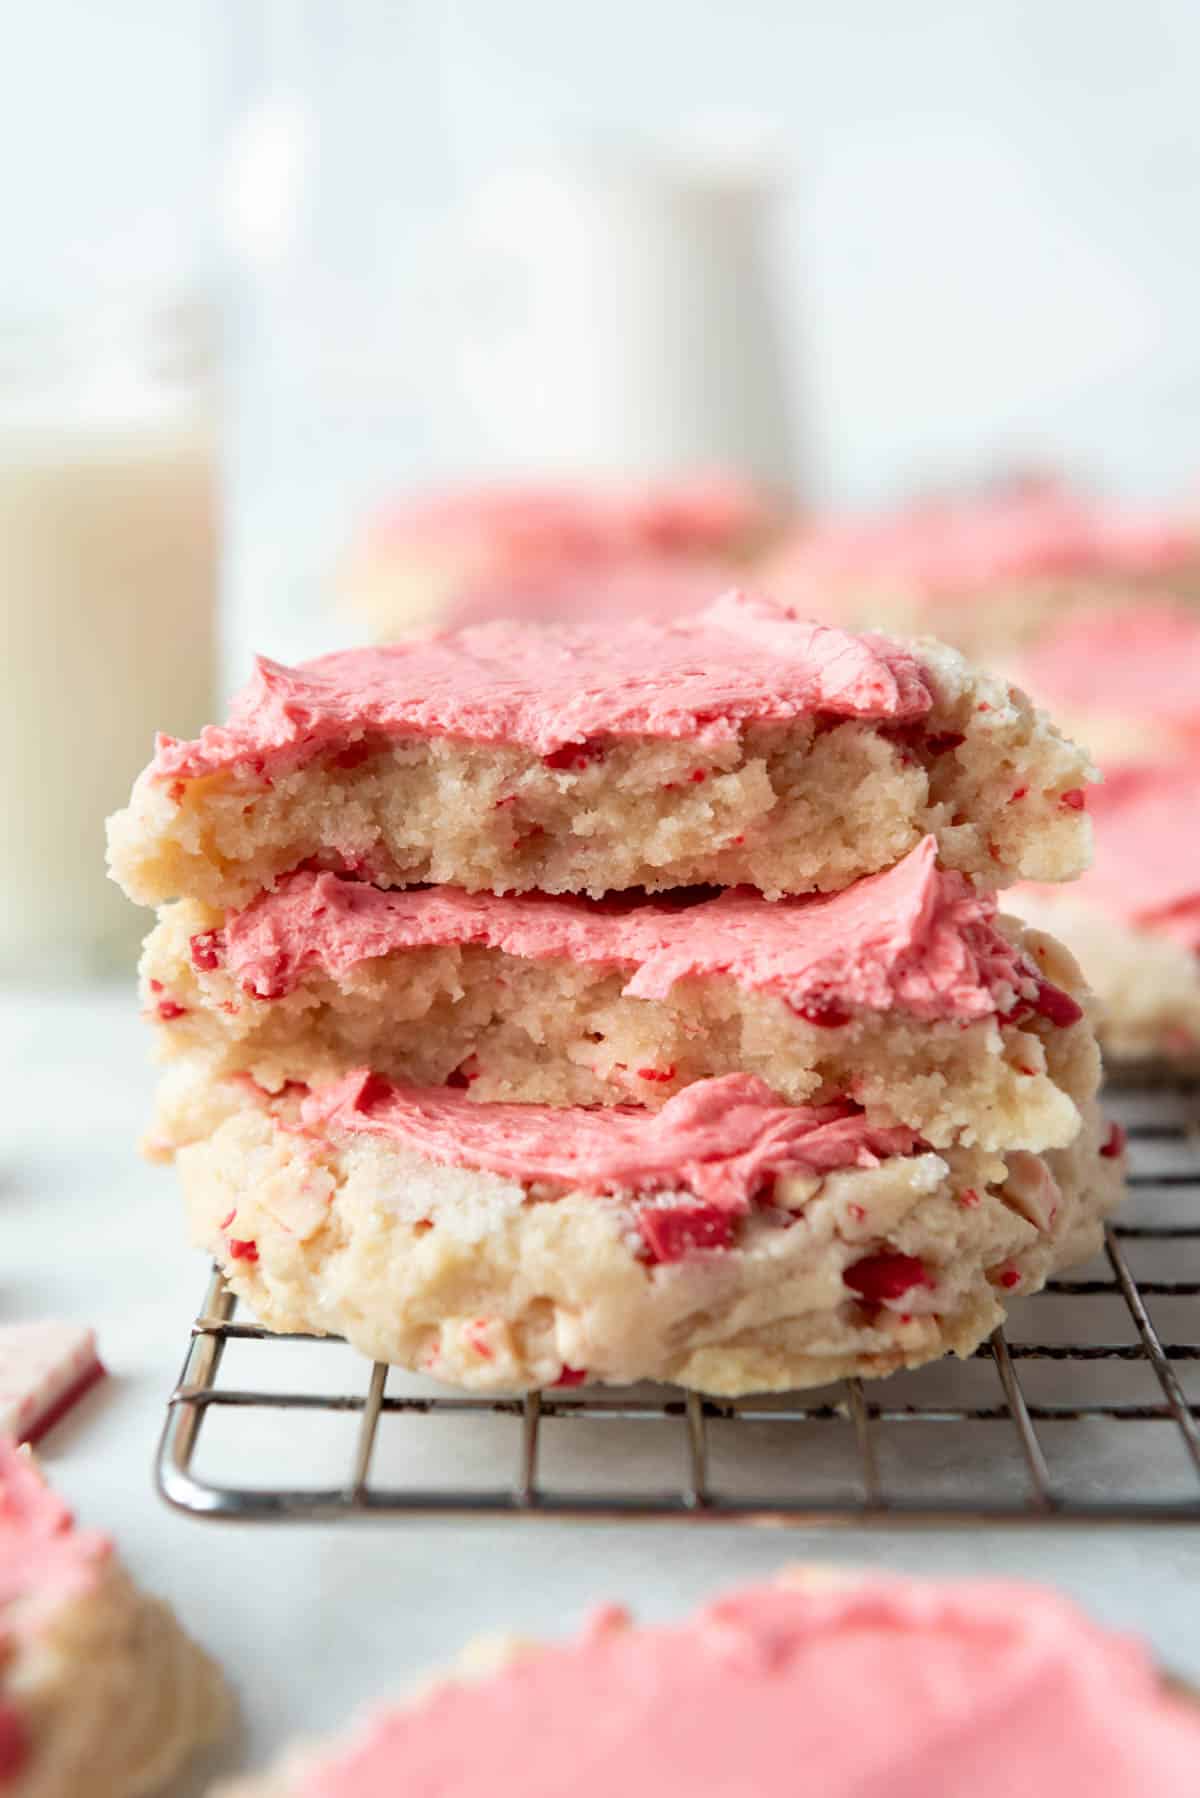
(911, 938)
(740, 661)
(885, 1686)
(1140, 659)
(721, 1139)
(1147, 854)
(1035, 532)
(43, 1557)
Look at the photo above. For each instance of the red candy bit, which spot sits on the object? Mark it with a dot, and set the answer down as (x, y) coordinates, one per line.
(1019, 794)
(1010, 1278)
(14, 1743)
(168, 1010)
(1057, 1006)
(207, 948)
(670, 1232)
(826, 1014)
(176, 791)
(156, 986)
(968, 1197)
(886, 1276)
(227, 1219)
(656, 1073)
(476, 1335)
(240, 1250)
(570, 1376)
(736, 842)
(575, 755)
(941, 741)
(466, 1072)
(858, 1213)
(698, 774)
(1075, 798)
(508, 799)
(1113, 1145)
(983, 706)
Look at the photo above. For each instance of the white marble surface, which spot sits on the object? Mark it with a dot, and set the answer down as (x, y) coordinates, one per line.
(311, 1621)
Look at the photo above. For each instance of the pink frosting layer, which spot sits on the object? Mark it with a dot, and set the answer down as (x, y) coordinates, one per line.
(912, 938)
(740, 661)
(43, 1558)
(885, 1686)
(1147, 855)
(721, 1139)
(1142, 659)
(1036, 532)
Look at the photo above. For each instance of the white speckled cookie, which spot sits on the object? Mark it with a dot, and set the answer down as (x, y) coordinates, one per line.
(869, 1682)
(726, 1242)
(741, 747)
(904, 990)
(102, 1695)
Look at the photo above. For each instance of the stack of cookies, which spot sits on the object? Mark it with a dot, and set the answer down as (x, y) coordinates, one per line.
(547, 1004)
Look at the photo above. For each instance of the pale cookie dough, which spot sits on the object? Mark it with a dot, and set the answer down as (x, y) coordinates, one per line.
(904, 991)
(725, 1243)
(743, 747)
(102, 1695)
(867, 1682)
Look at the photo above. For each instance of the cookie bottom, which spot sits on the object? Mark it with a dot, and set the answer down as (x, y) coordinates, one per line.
(469, 1277)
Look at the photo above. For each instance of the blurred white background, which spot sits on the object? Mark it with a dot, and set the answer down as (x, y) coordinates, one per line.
(986, 242)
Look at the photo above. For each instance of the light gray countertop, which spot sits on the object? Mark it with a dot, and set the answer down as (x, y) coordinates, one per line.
(312, 1620)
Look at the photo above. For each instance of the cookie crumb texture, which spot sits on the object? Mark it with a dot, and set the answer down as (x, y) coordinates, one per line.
(485, 1282)
(844, 784)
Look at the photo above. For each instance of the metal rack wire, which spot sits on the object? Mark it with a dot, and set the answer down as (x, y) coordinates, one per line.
(1084, 1409)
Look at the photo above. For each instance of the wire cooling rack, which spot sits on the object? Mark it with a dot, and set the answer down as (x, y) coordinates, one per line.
(1083, 1409)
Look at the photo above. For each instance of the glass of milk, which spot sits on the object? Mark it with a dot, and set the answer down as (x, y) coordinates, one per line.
(108, 593)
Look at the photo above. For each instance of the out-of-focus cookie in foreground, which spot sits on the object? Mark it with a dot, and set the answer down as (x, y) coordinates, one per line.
(102, 1695)
(826, 1682)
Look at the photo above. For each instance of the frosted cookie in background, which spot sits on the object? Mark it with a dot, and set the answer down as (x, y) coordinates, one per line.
(744, 746)
(1123, 679)
(986, 574)
(102, 1695)
(554, 552)
(827, 1682)
(1133, 919)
